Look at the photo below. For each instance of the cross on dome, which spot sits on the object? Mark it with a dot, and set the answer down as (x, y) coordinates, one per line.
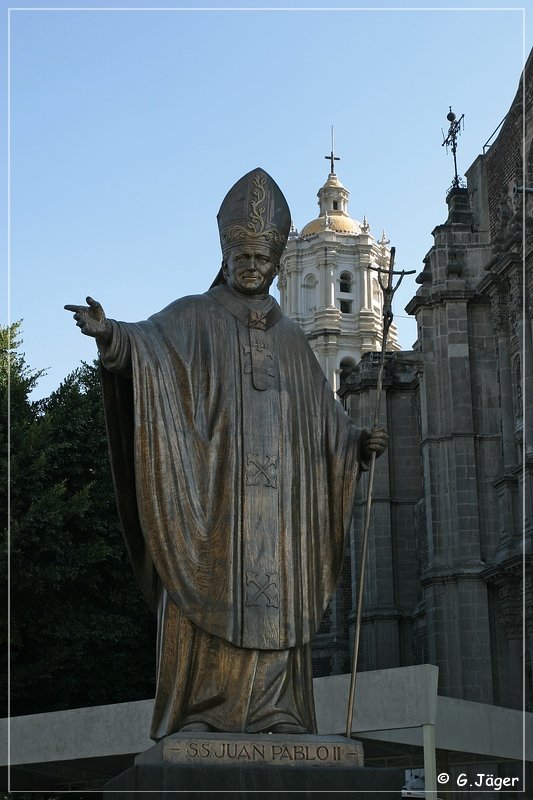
(332, 157)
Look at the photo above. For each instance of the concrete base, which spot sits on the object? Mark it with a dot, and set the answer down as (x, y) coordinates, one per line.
(203, 766)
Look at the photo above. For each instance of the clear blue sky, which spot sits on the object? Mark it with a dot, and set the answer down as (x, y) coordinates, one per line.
(129, 126)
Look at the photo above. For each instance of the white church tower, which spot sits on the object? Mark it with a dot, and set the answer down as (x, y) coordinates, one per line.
(326, 287)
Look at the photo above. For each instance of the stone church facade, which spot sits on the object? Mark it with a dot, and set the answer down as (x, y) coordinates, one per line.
(449, 577)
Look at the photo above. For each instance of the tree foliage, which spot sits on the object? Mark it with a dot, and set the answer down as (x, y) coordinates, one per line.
(81, 633)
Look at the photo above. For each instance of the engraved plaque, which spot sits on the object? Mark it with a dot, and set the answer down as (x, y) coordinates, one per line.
(275, 749)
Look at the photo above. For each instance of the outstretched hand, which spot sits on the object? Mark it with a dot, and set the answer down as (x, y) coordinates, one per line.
(91, 319)
(374, 441)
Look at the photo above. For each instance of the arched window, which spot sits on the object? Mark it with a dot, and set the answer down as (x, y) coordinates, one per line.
(346, 366)
(310, 293)
(346, 282)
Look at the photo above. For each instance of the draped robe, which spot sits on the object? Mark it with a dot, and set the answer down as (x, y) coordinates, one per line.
(235, 472)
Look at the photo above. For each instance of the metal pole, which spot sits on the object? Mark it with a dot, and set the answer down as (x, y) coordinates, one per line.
(388, 293)
(364, 549)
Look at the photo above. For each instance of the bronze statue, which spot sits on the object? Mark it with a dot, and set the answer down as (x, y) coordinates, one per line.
(235, 471)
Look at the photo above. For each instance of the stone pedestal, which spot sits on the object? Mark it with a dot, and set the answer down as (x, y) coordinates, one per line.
(202, 766)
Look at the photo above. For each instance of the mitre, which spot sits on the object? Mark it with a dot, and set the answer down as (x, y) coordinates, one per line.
(254, 212)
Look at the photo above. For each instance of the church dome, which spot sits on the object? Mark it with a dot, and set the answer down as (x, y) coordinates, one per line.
(333, 203)
(338, 223)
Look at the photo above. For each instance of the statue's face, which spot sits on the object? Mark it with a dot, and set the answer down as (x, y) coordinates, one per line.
(250, 269)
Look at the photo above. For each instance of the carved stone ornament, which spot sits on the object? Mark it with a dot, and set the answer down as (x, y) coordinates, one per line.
(508, 581)
(510, 612)
(499, 308)
(504, 212)
(516, 295)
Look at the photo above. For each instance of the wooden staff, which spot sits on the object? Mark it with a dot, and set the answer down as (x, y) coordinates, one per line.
(388, 290)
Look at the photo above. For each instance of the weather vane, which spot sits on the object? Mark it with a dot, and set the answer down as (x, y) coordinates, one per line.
(331, 156)
(451, 141)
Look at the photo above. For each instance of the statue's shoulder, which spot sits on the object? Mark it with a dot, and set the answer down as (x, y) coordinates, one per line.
(296, 345)
(291, 328)
(190, 305)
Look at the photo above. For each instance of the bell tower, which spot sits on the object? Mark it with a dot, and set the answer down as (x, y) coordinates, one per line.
(326, 287)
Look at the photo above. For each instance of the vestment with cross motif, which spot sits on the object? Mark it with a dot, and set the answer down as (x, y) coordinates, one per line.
(234, 465)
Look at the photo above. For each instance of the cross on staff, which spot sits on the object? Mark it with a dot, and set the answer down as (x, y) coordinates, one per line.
(388, 290)
(331, 158)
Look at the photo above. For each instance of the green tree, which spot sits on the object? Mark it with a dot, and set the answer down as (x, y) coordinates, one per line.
(81, 633)
(22, 473)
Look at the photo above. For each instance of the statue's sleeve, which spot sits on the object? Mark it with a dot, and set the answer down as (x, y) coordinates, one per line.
(116, 354)
(117, 386)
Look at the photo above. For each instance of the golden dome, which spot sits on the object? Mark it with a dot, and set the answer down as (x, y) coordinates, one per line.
(338, 223)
